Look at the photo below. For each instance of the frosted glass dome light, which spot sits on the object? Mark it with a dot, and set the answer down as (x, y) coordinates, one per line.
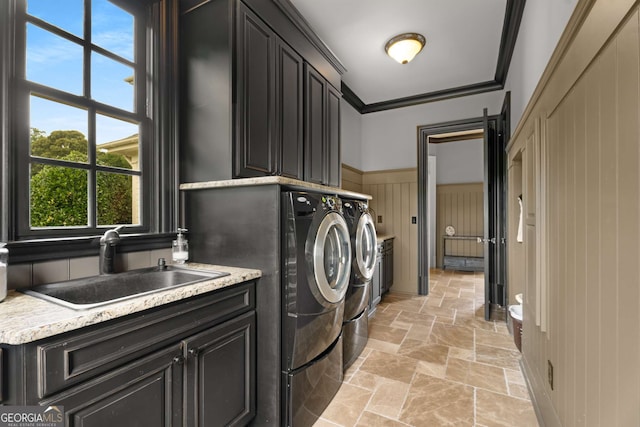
(404, 47)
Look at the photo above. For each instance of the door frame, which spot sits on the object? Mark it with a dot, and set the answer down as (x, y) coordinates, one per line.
(424, 132)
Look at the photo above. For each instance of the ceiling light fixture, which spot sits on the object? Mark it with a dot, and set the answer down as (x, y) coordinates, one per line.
(404, 47)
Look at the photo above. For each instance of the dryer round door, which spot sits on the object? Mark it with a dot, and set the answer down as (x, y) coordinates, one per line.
(365, 242)
(332, 257)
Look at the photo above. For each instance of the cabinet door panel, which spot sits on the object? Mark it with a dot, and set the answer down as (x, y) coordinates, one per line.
(147, 392)
(388, 270)
(220, 379)
(334, 165)
(289, 86)
(81, 355)
(376, 285)
(315, 129)
(255, 150)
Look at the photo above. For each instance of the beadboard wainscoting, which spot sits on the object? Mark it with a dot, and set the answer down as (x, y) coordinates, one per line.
(395, 198)
(460, 205)
(351, 178)
(395, 202)
(576, 157)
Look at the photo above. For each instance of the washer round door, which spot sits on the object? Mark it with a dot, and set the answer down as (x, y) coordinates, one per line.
(332, 257)
(365, 242)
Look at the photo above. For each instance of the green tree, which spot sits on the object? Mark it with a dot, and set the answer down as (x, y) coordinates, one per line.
(59, 194)
(58, 144)
(114, 192)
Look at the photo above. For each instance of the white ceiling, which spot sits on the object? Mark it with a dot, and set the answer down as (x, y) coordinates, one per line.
(463, 41)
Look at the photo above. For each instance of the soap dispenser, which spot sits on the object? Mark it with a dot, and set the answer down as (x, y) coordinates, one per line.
(4, 261)
(180, 248)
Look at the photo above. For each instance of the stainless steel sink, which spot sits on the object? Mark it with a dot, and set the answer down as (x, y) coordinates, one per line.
(95, 291)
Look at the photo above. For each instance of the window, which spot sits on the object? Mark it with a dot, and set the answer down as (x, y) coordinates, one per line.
(84, 85)
(85, 150)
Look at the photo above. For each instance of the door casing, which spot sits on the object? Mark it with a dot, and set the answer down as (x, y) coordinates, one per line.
(496, 279)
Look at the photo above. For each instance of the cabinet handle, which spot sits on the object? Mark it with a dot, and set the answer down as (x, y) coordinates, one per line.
(193, 352)
(179, 360)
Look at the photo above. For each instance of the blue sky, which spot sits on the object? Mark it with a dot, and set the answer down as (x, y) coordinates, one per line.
(57, 62)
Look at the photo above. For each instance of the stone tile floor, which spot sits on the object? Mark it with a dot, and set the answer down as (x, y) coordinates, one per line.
(434, 361)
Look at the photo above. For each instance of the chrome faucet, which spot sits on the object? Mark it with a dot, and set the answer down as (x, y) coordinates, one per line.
(108, 244)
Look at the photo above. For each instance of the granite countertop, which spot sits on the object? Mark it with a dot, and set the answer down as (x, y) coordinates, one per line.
(24, 318)
(270, 180)
(382, 237)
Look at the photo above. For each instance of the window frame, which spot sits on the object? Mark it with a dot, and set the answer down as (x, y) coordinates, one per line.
(159, 182)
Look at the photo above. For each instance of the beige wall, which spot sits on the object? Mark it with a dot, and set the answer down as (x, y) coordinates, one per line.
(576, 158)
(351, 178)
(460, 205)
(395, 198)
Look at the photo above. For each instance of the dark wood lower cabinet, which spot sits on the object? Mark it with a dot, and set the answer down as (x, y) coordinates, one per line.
(382, 279)
(376, 282)
(147, 392)
(220, 379)
(191, 363)
(387, 267)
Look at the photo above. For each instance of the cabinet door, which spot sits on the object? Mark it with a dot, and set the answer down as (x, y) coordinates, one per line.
(255, 89)
(290, 107)
(376, 284)
(147, 392)
(334, 164)
(314, 134)
(220, 381)
(388, 270)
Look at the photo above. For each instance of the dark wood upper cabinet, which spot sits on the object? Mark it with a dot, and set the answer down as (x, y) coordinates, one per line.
(290, 107)
(256, 145)
(334, 165)
(249, 108)
(314, 135)
(322, 130)
(269, 101)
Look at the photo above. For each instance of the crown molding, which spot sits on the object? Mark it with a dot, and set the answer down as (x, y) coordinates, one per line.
(351, 97)
(439, 95)
(510, 27)
(303, 25)
(512, 19)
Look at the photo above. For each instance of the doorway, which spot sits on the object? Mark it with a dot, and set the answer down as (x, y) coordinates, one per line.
(495, 137)
(456, 208)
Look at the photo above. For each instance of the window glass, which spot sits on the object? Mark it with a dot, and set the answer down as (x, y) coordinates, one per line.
(54, 61)
(65, 14)
(115, 198)
(58, 130)
(117, 137)
(83, 167)
(112, 28)
(112, 82)
(58, 196)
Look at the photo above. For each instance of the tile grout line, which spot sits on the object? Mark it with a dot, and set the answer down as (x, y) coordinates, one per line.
(475, 406)
(506, 380)
(491, 336)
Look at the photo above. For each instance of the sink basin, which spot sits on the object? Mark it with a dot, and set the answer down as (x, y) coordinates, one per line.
(95, 291)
